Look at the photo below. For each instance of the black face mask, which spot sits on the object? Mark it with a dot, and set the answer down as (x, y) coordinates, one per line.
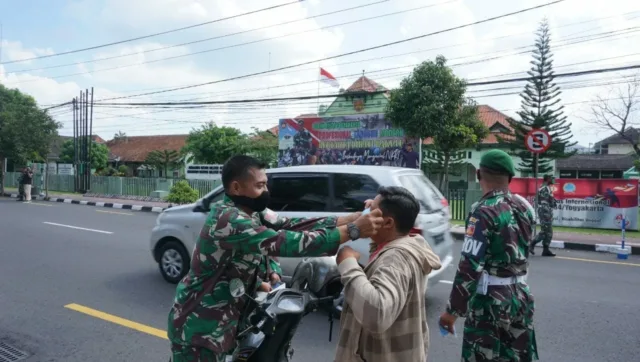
(258, 204)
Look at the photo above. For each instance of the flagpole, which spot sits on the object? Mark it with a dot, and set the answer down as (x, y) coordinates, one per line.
(318, 99)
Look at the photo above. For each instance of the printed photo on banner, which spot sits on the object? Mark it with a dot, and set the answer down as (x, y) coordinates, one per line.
(590, 203)
(365, 139)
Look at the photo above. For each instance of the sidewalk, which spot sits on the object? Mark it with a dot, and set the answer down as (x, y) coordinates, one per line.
(114, 203)
(575, 241)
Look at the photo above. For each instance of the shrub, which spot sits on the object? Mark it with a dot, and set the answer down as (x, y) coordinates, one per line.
(182, 193)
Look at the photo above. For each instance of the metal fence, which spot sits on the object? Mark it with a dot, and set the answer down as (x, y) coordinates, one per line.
(461, 200)
(109, 185)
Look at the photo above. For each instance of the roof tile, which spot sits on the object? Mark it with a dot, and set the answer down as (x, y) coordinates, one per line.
(137, 148)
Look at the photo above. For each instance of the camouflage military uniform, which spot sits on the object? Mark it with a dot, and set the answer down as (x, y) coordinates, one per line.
(499, 324)
(205, 330)
(546, 204)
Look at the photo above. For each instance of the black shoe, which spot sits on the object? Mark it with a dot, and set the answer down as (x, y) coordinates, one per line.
(547, 252)
(532, 246)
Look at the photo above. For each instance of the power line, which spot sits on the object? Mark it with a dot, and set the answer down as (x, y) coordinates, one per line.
(560, 75)
(348, 53)
(418, 51)
(229, 46)
(214, 38)
(153, 35)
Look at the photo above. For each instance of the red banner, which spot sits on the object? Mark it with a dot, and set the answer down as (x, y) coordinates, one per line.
(588, 202)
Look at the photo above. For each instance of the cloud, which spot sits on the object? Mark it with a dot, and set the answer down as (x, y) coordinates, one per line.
(14, 50)
(478, 51)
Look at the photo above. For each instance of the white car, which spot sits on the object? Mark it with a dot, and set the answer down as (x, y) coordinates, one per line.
(309, 191)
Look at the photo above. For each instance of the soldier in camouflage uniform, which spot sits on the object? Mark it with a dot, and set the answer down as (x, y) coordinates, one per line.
(489, 288)
(546, 204)
(238, 233)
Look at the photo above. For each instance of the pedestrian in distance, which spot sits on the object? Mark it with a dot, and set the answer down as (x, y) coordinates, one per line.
(27, 180)
(21, 185)
(546, 204)
(489, 289)
(384, 318)
(239, 231)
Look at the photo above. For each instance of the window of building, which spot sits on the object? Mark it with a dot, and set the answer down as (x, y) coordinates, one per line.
(299, 193)
(350, 192)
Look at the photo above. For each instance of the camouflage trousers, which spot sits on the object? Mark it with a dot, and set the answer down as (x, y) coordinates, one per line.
(545, 234)
(500, 333)
(194, 354)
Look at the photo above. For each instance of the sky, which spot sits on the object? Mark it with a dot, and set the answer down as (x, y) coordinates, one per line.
(586, 34)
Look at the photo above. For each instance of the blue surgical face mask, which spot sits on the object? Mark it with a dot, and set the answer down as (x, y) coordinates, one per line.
(366, 211)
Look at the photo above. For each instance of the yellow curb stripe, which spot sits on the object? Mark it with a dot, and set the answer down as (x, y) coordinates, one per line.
(597, 261)
(117, 320)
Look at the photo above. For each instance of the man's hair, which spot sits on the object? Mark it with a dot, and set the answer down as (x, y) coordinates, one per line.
(547, 178)
(238, 167)
(401, 205)
(494, 176)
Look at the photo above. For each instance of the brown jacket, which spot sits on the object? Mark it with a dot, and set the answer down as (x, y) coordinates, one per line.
(384, 317)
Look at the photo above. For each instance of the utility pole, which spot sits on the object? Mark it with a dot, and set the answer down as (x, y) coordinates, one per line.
(90, 141)
(75, 144)
(87, 141)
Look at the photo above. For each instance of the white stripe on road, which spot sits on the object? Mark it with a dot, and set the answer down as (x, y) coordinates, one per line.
(114, 212)
(77, 227)
(446, 281)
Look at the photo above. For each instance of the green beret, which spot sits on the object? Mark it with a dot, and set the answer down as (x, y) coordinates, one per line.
(498, 161)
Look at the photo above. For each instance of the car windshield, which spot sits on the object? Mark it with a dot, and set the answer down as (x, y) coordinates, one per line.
(428, 196)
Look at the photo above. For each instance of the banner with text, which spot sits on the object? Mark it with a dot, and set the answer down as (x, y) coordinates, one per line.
(363, 139)
(588, 203)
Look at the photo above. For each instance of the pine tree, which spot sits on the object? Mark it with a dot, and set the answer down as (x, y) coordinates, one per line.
(540, 109)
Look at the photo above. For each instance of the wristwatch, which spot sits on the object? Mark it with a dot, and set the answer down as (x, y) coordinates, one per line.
(354, 231)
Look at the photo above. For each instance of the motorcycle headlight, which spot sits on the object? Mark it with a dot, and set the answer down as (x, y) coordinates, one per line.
(293, 305)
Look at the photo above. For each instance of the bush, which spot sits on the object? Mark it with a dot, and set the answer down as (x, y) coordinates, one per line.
(125, 171)
(182, 193)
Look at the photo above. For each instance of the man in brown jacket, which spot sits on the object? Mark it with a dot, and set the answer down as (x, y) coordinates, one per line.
(384, 317)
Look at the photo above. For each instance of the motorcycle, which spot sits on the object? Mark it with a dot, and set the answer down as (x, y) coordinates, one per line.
(273, 322)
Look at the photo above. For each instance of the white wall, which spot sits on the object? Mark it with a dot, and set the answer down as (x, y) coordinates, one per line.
(620, 149)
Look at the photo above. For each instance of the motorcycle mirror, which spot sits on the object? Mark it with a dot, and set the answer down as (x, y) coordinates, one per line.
(236, 288)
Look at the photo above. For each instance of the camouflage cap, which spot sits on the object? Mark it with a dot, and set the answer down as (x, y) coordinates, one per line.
(498, 161)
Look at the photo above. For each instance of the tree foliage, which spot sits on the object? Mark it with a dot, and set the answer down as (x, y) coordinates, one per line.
(99, 155)
(540, 108)
(431, 103)
(164, 159)
(182, 193)
(464, 132)
(26, 131)
(214, 145)
(263, 145)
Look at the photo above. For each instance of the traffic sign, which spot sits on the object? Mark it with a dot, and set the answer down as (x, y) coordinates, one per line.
(537, 140)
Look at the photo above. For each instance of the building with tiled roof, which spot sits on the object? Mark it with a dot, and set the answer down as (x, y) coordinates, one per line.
(132, 151)
(364, 96)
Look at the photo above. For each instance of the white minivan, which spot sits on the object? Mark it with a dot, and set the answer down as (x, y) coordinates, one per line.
(310, 191)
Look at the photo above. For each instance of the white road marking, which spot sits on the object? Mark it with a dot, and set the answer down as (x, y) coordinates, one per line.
(37, 203)
(114, 212)
(77, 227)
(446, 281)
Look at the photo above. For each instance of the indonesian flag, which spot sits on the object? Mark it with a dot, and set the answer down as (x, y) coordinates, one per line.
(327, 78)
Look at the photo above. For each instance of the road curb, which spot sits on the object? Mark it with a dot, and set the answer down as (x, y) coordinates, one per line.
(558, 244)
(111, 205)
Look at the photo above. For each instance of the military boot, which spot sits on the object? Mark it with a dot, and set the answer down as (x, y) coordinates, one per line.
(532, 246)
(547, 252)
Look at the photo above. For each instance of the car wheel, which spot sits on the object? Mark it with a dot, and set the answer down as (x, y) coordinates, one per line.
(174, 261)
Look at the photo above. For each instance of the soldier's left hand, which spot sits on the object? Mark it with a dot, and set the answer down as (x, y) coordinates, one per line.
(345, 253)
(447, 321)
(275, 278)
(265, 287)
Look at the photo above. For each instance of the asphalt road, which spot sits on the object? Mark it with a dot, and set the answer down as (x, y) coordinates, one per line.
(587, 303)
